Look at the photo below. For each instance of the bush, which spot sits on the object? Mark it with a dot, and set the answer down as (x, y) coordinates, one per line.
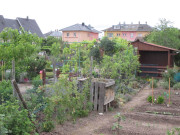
(47, 126)
(176, 86)
(15, 120)
(165, 85)
(5, 90)
(170, 74)
(37, 81)
(154, 83)
(160, 100)
(149, 99)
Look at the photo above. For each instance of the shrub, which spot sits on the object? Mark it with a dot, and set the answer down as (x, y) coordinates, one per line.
(37, 81)
(176, 86)
(5, 90)
(154, 83)
(160, 100)
(165, 85)
(170, 74)
(15, 120)
(47, 126)
(149, 99)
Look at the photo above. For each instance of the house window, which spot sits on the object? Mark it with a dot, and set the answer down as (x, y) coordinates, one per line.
(110, 34)
(132, 35)
(124, 34)
(139, 35)
(74, 34)
(116, 27)
(67, 34)
(118, 34)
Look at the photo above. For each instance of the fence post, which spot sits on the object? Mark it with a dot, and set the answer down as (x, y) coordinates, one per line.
(44, 76)
(57, 73)
(13, 77)
(54, 71)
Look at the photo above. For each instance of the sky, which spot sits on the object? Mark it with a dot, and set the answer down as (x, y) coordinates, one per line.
(101, 14)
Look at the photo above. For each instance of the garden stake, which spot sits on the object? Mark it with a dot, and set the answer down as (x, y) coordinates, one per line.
(2, 70)
(169, 91)
(152, 90)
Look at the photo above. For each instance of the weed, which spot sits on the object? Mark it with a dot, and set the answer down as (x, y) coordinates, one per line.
(176, 86)
(117, 126)
(160, 100)
(149, 99)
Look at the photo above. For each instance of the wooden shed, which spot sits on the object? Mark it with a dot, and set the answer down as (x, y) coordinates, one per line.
(154, 59)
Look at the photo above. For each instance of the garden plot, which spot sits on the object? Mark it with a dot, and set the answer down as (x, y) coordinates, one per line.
(139, 120)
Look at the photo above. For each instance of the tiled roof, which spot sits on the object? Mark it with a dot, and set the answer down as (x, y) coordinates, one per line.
(80, 27)
(55, 33)
(26, 23)
(129, 27)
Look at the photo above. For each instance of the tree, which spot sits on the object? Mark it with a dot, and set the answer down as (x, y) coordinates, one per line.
(108, 46)
(19, 47)
(165, 34)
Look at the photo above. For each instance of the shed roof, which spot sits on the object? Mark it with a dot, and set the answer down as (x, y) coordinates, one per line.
(155, 45)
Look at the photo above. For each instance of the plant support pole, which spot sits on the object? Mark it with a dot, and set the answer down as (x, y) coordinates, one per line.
(152, 91)
(169, 91)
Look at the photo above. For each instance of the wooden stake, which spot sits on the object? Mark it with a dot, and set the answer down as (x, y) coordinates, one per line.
(169, 91)
(2, 71)
(152, 91)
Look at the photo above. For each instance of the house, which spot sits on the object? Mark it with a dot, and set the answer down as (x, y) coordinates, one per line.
(129, 32)
(56, 34)
(154, 59)
(79, 33)
(29, 25)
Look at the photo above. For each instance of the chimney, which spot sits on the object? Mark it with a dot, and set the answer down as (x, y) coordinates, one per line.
(146, 22)
(27, 18)
(83, 24)
(139, 22)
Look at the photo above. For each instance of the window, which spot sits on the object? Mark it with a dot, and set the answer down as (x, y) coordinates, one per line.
(116, 27)
(67, 34)
(132, 35)
(124, 34)
(74, 34)
(110, 34)
(139, 35)
(118, 34)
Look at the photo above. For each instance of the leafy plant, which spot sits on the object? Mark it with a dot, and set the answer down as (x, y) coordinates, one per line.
(176, 86)
(117, 126)
(149, 99)
(154, 83)
(165, 85)
(47, 126)
(160, 100)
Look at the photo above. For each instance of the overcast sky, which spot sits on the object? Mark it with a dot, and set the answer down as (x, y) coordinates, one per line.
(57, 14)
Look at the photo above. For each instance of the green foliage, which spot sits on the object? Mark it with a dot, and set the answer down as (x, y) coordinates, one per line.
(177, 59)
(149, 99)
(176, 86)
(20, 47)
(173, 131)
(96, 54)
(108, 46)
(37, 81)
(154, 83)
(165, 85)
(35, 64)
(47, 126)
(6, 90)
(160, 100)
(67, 100)
(117, 126)
(165, 35)
(170, 74)
(15, 120)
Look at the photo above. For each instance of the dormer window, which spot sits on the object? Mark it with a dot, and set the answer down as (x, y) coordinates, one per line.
(116, 27)
(74, 34)
(67, 34)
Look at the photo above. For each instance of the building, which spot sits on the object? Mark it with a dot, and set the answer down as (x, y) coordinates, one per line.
(79, 33)
(27, 24)
(129, 32)
(56, 34)
(154, 59)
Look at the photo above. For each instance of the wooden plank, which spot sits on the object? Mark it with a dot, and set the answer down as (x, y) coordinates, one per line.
(163, 67)
(96, 96)
(152, 72)
(101, 97)
(110, 83)
(92, 92)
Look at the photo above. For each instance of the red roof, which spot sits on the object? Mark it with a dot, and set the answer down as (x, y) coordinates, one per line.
(157, 45)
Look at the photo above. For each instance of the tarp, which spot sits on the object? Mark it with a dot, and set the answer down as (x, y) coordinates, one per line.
(177, 77)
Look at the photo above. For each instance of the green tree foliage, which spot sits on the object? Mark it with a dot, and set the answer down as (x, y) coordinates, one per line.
(108, 46)
(18, 46)
(123, 64)
(164, 34)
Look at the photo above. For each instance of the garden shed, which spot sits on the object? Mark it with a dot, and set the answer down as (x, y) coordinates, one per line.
(154, 59)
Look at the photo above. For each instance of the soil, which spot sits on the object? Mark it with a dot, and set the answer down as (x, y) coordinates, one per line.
(25, 86)
(142, 118)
